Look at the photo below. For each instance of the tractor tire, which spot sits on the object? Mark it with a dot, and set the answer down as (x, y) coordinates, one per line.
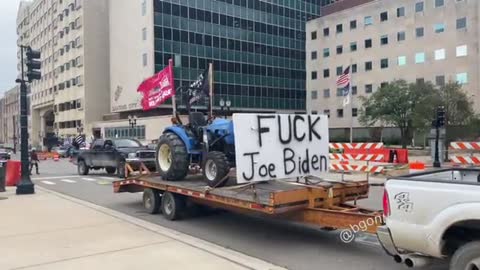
(172, 157)
(215, 169)
(173, 205)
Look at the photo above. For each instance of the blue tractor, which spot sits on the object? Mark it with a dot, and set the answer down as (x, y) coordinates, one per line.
(198, 144)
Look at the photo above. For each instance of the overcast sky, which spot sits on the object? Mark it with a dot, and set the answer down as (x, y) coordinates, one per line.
(8, 40)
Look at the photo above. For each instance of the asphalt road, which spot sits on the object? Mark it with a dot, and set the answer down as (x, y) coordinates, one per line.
(285, 244)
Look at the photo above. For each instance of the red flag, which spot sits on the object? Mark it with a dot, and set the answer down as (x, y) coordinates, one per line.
(157, 89)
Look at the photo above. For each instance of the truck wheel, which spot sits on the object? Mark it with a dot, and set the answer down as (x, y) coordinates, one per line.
(172, 157)
(151, 200)
(215, 169)
(467, 257)
(82, 167)
(173, 205)
(121, 169)
(110, 170)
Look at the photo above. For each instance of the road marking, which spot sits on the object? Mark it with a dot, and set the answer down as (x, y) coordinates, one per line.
(68, 181)
(48, 183)
(89, 179)
(108, 178)
(54, 177)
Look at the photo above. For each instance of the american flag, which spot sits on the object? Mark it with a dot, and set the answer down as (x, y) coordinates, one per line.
(344, 79)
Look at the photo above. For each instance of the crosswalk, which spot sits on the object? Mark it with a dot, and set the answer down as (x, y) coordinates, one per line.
(74, 179)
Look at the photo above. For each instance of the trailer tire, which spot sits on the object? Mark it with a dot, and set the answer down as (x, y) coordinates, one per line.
(151, 200)
(121, 169)
(215, 169)
(110, 170)
(173, 205)
(171, 157)
(82, 167)
(466, 257)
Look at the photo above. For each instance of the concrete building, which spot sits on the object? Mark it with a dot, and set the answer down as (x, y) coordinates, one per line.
(384, 40)
(10, 117)
(72, 36)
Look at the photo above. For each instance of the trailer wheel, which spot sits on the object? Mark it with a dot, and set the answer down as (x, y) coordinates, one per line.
(82, 167)
(467, 257)
(172, 157)
(173, 205)
(121, 169)
(110, 170)
(215, 169)
(151, 200)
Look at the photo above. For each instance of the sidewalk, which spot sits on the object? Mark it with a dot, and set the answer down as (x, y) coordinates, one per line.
(56, 232)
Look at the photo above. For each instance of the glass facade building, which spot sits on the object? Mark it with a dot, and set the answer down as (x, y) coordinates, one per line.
(257, 48)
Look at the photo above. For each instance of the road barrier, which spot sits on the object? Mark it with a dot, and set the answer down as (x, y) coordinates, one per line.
(357, 168)
(360, 157)
(343, 158)
(465, 159)
(365, 146)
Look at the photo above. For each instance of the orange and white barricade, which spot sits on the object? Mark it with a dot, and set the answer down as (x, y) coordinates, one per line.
(469, 158)
(344, 166)
(356, 168)
(365, 146)
(361, 157)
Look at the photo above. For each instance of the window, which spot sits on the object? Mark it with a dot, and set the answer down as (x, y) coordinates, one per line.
(354, 68)
(383, 84)
(384, 16)
(440, 80)
(144, 58)
(339, 28)
(462, 78)
(400, 12)
(327, 113)
(419, 6)
(144, 33)
(326, 33)
(368, 66)
(439, 28)
(384, 63)
(368, 88)
(440, 54)
(368, 43)
(354, 112)
(353, 46)
(368, 20)
(326, 93)
(384, 40)
(339, 49)
(326, 52)
(419, 32)
(401, 36)
(353, 24)
(439, 3)
(339, 70)
(313, 55)
(314, 75)
(402, 60)
(354, 90)
(461, 23)
(144, 7)
(340, 113)
(314, 94)
(461, 51)
(326, 73)
(420, 58)
(313, 35)
(340, 92)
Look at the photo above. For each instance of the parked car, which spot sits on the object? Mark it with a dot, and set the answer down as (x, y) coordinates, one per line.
(433, 215)
(60, 150)
(5, 154)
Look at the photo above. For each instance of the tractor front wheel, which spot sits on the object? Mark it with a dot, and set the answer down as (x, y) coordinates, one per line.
(172, 157)
(215, 169)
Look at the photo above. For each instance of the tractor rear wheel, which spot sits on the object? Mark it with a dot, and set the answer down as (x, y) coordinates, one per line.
(172, 157)
(216, 168)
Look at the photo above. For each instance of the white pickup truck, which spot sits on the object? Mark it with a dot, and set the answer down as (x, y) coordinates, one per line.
(433, 215)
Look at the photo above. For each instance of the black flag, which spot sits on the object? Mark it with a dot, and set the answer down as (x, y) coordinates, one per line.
(198, 90)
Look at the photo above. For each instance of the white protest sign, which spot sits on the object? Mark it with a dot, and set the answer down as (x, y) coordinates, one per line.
(280, 146)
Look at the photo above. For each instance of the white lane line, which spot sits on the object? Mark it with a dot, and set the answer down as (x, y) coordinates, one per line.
(88, 179)
(107, 178)
(68, 181)
(55, 177)
(48, 183)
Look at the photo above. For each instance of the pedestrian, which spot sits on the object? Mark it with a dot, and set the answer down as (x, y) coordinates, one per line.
(34, 161)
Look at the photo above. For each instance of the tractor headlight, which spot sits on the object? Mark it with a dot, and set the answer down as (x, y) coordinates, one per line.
(132, 155)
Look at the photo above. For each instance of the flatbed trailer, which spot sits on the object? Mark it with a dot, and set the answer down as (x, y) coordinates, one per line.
(313, 201)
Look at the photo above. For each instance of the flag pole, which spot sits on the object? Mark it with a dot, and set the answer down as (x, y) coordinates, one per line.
(351, 102)
(174, 98)
(210, 87)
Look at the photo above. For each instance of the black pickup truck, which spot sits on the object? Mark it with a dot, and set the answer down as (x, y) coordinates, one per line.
(112, 154)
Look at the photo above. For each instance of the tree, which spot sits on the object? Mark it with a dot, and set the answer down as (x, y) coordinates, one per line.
(402, 105)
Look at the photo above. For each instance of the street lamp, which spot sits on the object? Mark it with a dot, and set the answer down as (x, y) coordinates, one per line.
(132, 121)
(225, 104)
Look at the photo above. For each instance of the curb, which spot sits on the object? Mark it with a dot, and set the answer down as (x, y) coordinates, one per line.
(222, 252)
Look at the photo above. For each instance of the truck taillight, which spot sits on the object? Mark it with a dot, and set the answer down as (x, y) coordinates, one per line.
(386, 204)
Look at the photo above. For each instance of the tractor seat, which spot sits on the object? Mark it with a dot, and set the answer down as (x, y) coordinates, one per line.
(197, 119)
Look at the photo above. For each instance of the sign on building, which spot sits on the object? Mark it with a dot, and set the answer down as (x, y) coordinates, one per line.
(280, 146)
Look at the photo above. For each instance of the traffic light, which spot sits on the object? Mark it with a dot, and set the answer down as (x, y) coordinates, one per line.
(440, 116)
(33, 65)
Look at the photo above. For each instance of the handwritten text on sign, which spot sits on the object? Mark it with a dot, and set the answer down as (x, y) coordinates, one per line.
(279, 146)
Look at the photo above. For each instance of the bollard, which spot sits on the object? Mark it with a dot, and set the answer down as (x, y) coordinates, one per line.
(3, 170)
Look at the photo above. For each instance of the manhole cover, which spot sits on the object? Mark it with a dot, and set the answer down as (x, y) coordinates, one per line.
(3, 198)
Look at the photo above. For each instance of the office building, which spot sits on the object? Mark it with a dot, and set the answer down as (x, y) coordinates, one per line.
(10, 117)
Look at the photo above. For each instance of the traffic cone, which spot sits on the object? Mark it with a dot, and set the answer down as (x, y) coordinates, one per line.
(56, 157)
(417, 167)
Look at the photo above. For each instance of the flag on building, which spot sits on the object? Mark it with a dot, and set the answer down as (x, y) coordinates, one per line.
(344, 82)
(157, 89)
(198, 90)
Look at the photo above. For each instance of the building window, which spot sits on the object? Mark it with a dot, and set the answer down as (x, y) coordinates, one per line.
(368, 66)
(340, 113)
(144, 7)
(384, 63)
(314, 34)
(144, 59)
(354, 68)
(384, 16)
(384, 40)
(327, 113)
(420, 80)
(419, 32)
(439, 3)
(313, 55)
(339, 49)
(400, 12)
(462, 78)
(339, 70)
(383, 84)
(353, 46)
(440, 80)
(339, 28)
(144, 33)
(461, 51)
(368, 20)
(326, 33)
(419, 58)
(314, 94)
(439, 28)
(401, 36)
(326, 73)
(402, 60)
(368, 88)
(326, 52)
(461, 23)
(419, 6)
(354, 112)
(353, 24)
(354, 90)
(326, 93)
(314, 75)
(368, 43)
(340, 92)
(440, 54)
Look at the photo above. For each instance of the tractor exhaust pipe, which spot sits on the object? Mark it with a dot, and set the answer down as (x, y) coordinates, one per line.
(414, 261)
